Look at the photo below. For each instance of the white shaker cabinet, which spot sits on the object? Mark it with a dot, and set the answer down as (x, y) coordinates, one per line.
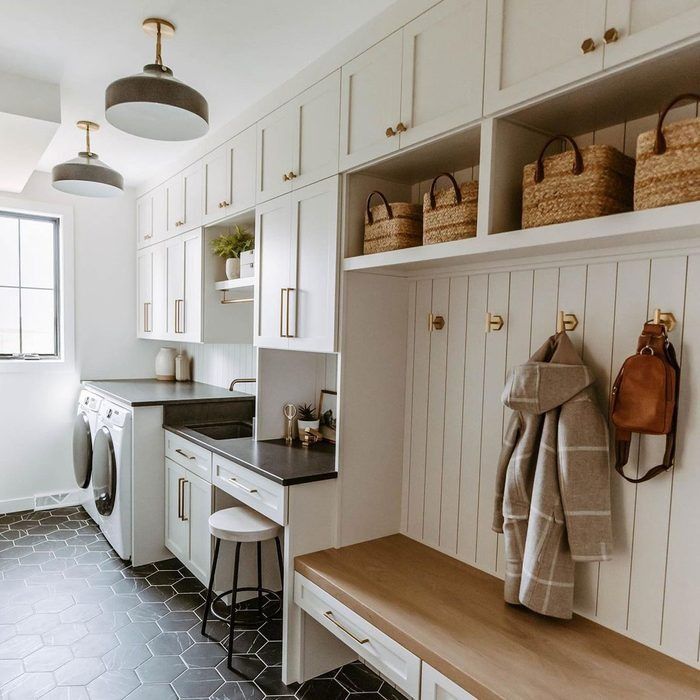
(152, 216)
(144, 221)
(176, 528)
(185, 200)
(636, 27)
(435, 686)
(150, 295)
(297, 144)
(443, 69)
(297, 260)
(537, 46)
(160, 212)
(229, 177)
(184, 287)
(370, 103)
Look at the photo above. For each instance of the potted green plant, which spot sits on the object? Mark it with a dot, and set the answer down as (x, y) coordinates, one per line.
(307, 417)
(230, 246)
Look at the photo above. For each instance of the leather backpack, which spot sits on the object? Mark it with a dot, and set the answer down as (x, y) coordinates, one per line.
(645, 398)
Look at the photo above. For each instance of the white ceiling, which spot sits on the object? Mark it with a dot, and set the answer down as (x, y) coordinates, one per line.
(232, 51)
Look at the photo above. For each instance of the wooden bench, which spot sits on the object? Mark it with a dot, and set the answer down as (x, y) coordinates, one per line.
(409, 609)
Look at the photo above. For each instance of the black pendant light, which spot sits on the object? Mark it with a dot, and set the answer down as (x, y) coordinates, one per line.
(154, 104)
(87, 175)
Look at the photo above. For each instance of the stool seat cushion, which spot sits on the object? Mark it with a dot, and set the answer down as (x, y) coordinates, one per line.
(242, 524)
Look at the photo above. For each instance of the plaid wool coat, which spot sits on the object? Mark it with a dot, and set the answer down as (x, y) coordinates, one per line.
(553, 481)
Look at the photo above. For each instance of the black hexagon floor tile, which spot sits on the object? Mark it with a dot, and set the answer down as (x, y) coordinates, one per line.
(78, 623)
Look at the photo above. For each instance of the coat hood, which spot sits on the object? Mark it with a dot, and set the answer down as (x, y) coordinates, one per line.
(552, 376)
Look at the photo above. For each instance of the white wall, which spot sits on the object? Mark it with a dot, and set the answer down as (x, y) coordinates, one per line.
(37, 407)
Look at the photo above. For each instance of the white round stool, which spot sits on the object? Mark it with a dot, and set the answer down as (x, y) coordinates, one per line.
(240, 524)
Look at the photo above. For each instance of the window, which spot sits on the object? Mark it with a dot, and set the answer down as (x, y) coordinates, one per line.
(29, 279)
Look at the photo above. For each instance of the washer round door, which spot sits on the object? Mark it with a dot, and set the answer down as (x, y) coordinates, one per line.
(104, 472)
(82, 450)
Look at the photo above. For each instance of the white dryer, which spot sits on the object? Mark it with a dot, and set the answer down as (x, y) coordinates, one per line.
(111, 476)
(84, 428)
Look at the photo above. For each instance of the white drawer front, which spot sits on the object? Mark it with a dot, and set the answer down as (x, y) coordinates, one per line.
(188, 455)
(434, 686)
(261, 494)
(398, 664)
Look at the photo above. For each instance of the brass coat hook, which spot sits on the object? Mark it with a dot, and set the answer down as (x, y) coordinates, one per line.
(666, 318)
(566, 322)
(493, 322)
(436, 323)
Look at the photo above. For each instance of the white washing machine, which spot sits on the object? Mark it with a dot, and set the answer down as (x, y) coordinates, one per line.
(84, 428)
(111, 476)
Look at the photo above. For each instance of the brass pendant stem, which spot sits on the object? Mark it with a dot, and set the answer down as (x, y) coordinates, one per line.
(159, 58)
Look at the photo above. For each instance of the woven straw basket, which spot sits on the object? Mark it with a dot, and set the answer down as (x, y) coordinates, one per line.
(392, 226)
(588, 182)
(668, 162)
(450, 215)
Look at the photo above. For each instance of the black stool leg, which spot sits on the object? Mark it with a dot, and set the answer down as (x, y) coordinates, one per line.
(210, 592)
(279, 560)
(232, 623)
(259, 579)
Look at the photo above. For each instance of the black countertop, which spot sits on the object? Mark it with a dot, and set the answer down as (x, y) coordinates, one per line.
(152, 392)
(273, 459)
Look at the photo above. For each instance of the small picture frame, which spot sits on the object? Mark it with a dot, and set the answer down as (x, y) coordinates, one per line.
(327, 413)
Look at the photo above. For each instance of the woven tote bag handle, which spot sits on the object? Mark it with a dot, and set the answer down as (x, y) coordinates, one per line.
(578, 159)
(660, 141)
(458, 194)
(390, 213)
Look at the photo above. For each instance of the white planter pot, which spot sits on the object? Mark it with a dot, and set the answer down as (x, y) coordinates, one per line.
(233, 268)
(165, 364)
(304, 424)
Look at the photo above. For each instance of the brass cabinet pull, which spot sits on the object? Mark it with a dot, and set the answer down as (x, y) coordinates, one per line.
(184, 454)
(611, 35)
(147, 236)
(329, 616)
(288, 334)
(180, 482)
(145, 317)
(225, 204)
(176, 316)
(291, 175)
(235, 481)
(179, 315)
(182, 488)
(282, 291)
(401, 127)
(587, 45)
(285, 177)
(390, 132)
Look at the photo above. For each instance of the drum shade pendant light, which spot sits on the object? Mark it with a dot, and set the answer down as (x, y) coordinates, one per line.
(87, 175)
(154, 104)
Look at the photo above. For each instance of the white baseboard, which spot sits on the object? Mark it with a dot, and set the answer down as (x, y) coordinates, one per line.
(14, 505)
(62, 499)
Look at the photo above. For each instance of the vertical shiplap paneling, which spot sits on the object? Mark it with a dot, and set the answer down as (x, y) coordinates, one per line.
(419, 412)
(666, 291)
(545, 303)
(492, 424)
(408, 417)
(631, 294)
(471, 417)
(454, 403)
(436, 413)
(681, 614)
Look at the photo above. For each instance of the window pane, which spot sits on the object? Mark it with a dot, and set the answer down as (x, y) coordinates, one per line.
(38, 321)
(9, 251)
(36, 254)
(9, 321)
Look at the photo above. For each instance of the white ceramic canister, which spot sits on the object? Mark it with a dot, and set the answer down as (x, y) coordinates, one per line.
(165, 364)
(182, 367)
(233, 268)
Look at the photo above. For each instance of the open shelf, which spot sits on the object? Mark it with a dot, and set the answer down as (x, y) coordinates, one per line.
(679, 222)
(242, 284)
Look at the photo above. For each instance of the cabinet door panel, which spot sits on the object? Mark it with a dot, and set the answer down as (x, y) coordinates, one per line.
(175, 286)
(370, 102)
(176, 529)
(435, 686)
(176, 204)
(272, 251)
(242, 164)
(647, 25)
(314, 259)
(159, 309)
(192, 197)
(190, 309)
(277, 139)
(534, 47)
(160, 212)
(144, 295)
(144, 220)
(318, 114)
(217, 177)
(443, 70)
(197, 511)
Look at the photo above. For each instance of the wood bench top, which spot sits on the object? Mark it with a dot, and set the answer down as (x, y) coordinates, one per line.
(453, 616)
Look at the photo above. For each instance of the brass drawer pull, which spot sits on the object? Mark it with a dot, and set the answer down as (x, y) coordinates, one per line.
(282, 293)
(329, 616)
(587, 45)
(401, 127)
(184, 519)
(180, 482)
(184, 454)
(611, 35)
(235, 481)
(390, 132)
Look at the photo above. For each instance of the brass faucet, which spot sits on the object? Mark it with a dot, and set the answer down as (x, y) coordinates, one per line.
(241, 381)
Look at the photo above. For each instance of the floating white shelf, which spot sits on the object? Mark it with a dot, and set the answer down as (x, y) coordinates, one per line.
(679, 222)
(242, 284)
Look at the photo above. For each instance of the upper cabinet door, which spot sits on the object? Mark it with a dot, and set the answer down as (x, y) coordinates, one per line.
(317, 112)
(277, 143)
(191, 180)
(272, 253)
(636, 27)
(160, 212)
(242, 163)
(314, 268)
(175, 286)
(216, 167)
(443, 71)
(144, 220)
(176, 204)
(540, 45)
(144, 295)
(370, 103)
(190, 309)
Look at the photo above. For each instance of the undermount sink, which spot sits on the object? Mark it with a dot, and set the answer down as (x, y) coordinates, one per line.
(224, 431)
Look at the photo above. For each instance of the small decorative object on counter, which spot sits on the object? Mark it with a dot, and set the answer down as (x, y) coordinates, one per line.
(310, 436)
(307, 417)
(165, 364)
(668, 161)
(247, 263)
(328, 412)
(290, 413)
(182, 367)
(230, 246)
(578, 184)
(392, 226)
(450, 215)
